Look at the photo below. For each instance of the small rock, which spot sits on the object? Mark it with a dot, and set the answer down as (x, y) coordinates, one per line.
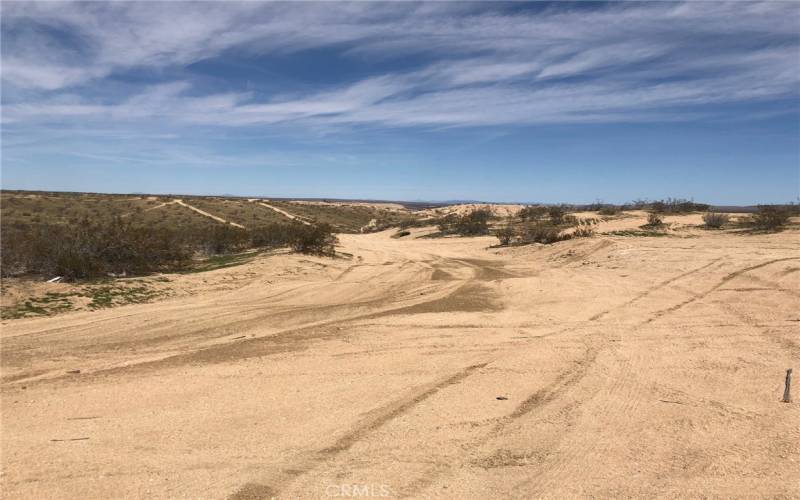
(73, 371)
(501, 398)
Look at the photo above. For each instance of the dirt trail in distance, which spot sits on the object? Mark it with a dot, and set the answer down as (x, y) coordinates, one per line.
(605, 367)
(203, 212)
(283, 212)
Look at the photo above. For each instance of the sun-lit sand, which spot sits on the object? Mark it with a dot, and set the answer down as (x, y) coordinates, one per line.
(609, 366)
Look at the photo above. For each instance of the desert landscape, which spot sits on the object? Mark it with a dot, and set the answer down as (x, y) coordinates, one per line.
(624, 363)
(270, 250)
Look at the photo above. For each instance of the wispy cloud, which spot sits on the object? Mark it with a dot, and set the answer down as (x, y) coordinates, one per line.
(483, 65)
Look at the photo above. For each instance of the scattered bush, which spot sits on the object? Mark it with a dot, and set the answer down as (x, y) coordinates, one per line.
(532, 212)
(471, 224)
(608, 210)
(654, 220)
(582, 232)
(542, 233)
(714, 220)
(556, 214)
(771, 217)
(318, 239)
(505, 234)
(668, 206)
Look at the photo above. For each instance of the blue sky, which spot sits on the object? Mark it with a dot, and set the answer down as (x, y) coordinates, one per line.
(530, 102)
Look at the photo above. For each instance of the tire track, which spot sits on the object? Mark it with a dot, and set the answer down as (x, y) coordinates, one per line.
(206, 214)
(284, 213)
(722, 282)
(373, 421)
(652, 289)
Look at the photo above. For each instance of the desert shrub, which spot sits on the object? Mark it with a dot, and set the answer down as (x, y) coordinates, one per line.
(582, 232)
(472, 224)
(317, 239)
(715, 220)
(505, 234)
(771, 217)
(222, 239)
(532, 212)
(90, 249)
(608, 210)
(654, 220)
(271, 235)
(118, 247)
(670, 206)
(556, 214)
(542, 233)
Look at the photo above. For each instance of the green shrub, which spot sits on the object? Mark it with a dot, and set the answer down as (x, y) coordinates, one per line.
(118, 247)
(317, 239)
(542, 233)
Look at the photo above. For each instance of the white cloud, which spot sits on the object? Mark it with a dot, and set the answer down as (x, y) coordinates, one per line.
(615, 63)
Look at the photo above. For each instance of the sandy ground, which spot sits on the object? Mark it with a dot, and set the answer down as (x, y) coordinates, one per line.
(498, 210)
(603, 367)
(372, 204)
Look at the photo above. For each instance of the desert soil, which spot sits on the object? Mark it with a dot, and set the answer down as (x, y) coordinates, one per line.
(607, 367)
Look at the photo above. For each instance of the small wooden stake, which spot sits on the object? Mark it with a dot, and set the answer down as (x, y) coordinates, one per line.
(787, 392)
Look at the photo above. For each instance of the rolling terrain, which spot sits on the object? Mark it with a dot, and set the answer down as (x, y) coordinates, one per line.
(611, 366)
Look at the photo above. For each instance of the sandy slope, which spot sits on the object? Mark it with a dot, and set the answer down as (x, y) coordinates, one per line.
(631, 367)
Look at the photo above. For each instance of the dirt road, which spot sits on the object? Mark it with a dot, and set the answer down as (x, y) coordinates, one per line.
(283, 212)
(606, 367)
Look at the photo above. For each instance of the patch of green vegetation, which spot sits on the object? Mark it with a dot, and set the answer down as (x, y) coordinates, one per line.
(50, 303)
(221, 262)
(637, 233)
(114, 295)
(101, 295)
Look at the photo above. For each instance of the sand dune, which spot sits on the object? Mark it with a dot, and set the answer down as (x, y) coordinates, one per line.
(605, 366)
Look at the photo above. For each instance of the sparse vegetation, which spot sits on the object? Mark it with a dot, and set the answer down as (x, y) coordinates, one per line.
(713, 220)
(668, 206)
(472, 224)
(771, 217)
(99, 296)
(532, 212)
(636, 233)
(556, 214)
(654, 220)
(608, 210)
(317, 239)
(505, 235)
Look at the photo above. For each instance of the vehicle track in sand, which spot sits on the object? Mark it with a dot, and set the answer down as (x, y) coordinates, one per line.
(624, 367)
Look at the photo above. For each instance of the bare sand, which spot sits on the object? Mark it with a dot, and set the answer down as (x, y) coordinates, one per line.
(609, 366)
